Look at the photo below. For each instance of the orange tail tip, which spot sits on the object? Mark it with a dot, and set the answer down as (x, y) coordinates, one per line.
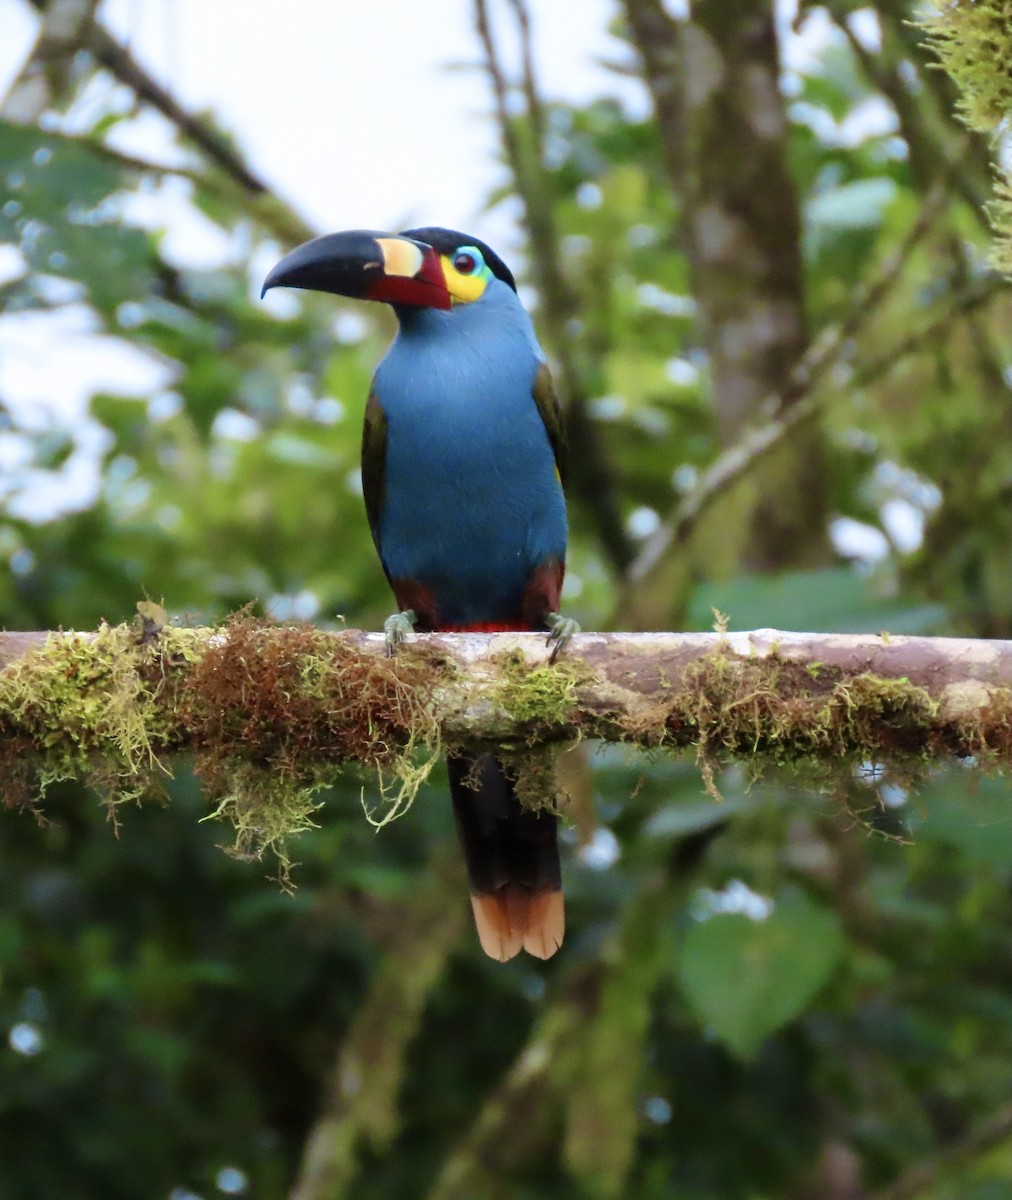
(513, 920)
(546, 924)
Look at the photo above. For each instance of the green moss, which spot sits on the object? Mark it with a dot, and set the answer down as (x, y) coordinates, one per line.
(775, 712)
(266, 810)
(1000, 213)
(775, 708)
(542, 697)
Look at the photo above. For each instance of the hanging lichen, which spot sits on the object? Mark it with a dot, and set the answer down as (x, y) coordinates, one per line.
(274, 714)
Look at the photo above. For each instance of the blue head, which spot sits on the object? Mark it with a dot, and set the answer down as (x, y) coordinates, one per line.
(446, 287)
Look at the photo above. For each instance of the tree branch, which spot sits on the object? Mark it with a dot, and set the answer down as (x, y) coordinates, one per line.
(270, 212)
(967, 300)
(293, 699)
(119, 62)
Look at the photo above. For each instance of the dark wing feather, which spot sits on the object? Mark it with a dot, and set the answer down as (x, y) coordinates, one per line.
(374, 464)
(547, 400)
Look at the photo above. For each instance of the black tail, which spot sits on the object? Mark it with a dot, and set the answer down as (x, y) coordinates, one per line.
(512, 857)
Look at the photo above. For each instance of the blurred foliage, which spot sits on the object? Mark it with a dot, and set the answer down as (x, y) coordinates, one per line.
(745, 989)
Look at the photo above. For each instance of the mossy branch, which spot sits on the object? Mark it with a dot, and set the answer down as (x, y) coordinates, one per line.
(272, 714)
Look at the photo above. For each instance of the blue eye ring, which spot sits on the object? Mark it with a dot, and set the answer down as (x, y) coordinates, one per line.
(468, 261)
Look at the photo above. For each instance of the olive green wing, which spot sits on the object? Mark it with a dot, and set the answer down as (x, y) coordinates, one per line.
(547, 400)
(374, 464)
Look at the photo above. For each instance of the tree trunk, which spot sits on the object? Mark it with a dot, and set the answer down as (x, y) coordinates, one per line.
(715, 85)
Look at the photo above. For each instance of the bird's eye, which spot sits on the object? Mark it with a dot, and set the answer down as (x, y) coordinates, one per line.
(467, 262)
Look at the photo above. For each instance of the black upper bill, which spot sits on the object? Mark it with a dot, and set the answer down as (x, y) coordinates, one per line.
(347, 264)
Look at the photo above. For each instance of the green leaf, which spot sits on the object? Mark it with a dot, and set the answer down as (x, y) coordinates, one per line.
(746, 979)
(855, 205)
(832, 600)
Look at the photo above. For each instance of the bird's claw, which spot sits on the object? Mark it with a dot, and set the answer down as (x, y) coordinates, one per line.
(397, 628)
(560, 630)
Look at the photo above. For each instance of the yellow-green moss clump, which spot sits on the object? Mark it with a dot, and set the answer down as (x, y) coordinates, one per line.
(973, 41)
(98, 707)
(542, 697)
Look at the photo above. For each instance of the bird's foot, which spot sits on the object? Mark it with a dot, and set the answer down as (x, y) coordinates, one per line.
(560, 630)
(397, 628)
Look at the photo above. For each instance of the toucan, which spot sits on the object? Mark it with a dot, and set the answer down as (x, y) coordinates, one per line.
(463, 461)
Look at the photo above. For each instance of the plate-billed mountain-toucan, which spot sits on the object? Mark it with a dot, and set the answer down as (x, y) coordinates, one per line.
(463, 458)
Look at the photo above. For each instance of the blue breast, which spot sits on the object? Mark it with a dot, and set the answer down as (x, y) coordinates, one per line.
(473, 503)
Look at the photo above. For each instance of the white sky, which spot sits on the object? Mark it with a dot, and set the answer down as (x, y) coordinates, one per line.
(347, 107)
